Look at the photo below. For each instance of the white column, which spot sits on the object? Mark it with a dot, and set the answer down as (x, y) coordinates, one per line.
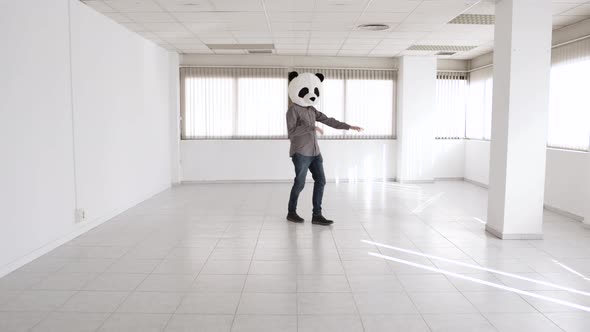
(415, 118)
(522, 52)
(587, 216)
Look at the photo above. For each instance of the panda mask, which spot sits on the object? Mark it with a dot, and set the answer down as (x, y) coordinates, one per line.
(305, 88)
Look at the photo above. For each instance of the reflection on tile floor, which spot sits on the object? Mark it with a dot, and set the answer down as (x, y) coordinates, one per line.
(222, 258)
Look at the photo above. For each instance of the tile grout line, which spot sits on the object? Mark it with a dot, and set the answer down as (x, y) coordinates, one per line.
(247, 274)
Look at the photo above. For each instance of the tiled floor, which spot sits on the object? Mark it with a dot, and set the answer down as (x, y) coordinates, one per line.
(222, 258)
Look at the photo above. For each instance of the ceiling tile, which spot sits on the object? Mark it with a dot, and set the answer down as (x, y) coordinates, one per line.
(372, 17)
(129, 6)
(353, 52)
(134, 27)
(322, 52)
(100, 6)
(186, 5)
(399, 6)
(164, 27)
(155, 17)
(340, 5)
(291, 52)
(238, 6)
(567, 20)
(120, 18)
(579, 10)
(175, 34)
(289, 5)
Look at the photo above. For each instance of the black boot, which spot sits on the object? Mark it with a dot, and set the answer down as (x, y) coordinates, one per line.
(292, 216)
(320, 220)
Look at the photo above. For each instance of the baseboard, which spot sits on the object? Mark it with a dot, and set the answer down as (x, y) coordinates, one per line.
(425, 181)
(450, 178)
(563, 213)
(509, 236)
(477, 183)
(78, 230)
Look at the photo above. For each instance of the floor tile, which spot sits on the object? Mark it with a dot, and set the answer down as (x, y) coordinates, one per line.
(135, 323)
(325, 303)
(94, 301)
(71, 322)
(201, 323)
(167, 283)
(268, 304)
(322, 284)
(498, 302)
(374, 283)
(458, 322)
(571, 322)
(426, 283)
(438, 303)
(265, 323)
(330, 323)
(232, 283)
(386, 323)
(115, 282)
(521, 322)
(226, 267)
(151, 302)
(209, 303)
(19, 321)
(37, 300)
(384, 303)
(271, 284)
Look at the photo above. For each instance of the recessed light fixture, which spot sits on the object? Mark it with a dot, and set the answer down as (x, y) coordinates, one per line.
(374, 27)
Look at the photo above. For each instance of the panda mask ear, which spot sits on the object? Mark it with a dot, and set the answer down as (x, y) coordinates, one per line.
(292, 75)
(320, 76)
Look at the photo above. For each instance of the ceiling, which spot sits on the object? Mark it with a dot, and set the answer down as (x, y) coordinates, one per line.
(317, 27)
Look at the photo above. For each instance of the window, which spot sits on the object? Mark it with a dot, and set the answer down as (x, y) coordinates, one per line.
(233, 102)
(569, 99)
(451, 92)
(240, 103)
(361, 97)
(478, 118)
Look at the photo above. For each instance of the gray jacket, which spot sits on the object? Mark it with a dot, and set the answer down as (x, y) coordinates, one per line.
(301, 129)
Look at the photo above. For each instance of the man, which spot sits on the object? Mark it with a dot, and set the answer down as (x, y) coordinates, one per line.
(304, 91)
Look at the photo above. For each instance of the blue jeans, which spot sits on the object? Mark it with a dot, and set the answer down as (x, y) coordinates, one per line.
(315, 164)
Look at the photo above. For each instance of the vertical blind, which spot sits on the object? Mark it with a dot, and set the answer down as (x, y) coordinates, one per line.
(233, 102)
(569, 98)
(451, 93)
(360, 97)
(478, 117)
(241, 103)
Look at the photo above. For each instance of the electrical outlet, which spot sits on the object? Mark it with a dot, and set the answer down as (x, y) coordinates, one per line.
(80, 215)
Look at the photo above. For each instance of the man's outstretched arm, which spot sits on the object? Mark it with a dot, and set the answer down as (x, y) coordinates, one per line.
(331, 122)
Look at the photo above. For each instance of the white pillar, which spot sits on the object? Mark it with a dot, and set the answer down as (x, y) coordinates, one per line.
(415, 118)
(522, 53)
(587, 216)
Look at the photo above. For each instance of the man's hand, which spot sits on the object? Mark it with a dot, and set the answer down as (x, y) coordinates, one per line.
(355, 128)
(319, 130)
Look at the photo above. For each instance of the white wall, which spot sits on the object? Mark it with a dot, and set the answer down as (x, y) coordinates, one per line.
(37, 170)
(477, 161)
(121, 103)
(449, 159)
(566, 178)
(262, 160)
(268, 160)
(90, 116)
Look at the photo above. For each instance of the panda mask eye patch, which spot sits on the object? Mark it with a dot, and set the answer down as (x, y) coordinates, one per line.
(303, 92)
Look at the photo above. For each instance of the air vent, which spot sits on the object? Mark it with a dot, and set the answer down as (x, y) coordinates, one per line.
(259, 51)
(446, 53)
(474, 19)
(373, 27)
(241, 46)
(444, 48)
